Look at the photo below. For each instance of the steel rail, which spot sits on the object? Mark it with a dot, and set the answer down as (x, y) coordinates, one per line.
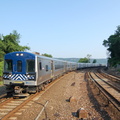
(6, 101)
(115, 78)
(108, 83)
(18, 107)
(111, 99)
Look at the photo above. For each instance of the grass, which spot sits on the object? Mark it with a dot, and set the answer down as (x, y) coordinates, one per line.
(1, 82)
(1, 68)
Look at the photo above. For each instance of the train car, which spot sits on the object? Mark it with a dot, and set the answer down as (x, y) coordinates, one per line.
(28, 73)
(87, 65)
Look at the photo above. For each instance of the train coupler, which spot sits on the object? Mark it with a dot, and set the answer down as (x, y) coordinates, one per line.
(18, 92)
(18, 89)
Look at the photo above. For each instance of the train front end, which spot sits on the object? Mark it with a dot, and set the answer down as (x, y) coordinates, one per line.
(19, 73)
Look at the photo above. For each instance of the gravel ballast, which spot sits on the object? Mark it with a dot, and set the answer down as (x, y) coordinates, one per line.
(69, 94)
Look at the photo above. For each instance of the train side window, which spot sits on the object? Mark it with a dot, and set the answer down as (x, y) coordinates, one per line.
(8, 65)
(46, 67)
(40, 66)
(19, 66)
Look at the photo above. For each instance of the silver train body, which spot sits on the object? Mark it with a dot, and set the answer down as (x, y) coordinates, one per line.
(28, 73)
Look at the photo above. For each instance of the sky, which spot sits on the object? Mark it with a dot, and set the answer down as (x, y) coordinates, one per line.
(62, 28)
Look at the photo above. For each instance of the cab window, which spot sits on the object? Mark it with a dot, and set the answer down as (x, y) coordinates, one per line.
(8, 65)
(30, 66)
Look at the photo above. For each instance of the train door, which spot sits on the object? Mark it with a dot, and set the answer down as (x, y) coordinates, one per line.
(40, 70)
(52, 69)
(18, 66)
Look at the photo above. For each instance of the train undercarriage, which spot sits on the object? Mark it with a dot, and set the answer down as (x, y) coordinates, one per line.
(23, 91)
(20, 90)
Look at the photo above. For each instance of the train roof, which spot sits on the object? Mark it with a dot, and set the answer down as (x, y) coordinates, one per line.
(19, 53)
(31, 55)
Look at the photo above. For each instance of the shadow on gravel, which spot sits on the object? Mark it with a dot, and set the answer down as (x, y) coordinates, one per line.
(96, 104)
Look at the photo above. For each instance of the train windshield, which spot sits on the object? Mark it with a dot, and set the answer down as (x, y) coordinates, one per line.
(30, 66)
(8, 65)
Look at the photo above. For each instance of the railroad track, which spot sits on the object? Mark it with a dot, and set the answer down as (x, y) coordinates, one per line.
(110, 91)
(109, 76)
(11, 108)
(3, 97)
(113, 84)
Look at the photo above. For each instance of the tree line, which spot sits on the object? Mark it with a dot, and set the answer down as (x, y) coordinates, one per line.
(10, 43)
(113, 47)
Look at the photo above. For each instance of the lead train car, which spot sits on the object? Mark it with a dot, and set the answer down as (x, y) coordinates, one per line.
(28, 73)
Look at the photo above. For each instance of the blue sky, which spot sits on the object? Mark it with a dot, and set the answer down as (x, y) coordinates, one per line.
(62, 28)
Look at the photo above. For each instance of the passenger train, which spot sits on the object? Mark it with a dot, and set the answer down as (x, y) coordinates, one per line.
(26, 72)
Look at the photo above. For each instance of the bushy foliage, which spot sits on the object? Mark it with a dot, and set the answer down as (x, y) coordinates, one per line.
(47, 55)
(10, 43)
(1, 68)
(94, 61)
(113, 47)
(83, 60)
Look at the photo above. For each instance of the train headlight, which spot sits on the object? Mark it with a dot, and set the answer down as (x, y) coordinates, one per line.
(31, 77)
(17, 54)
(7, 76)
(10, 75)
(21, 54)
(28, 76)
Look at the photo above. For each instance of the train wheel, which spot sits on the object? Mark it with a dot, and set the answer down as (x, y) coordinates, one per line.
(9, 94)
(43, 87)
(38, 88)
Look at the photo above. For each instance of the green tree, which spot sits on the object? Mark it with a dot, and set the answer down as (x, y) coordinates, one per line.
(10, 43)
(94, 61)
(85, 59)
(113, 47)
(47, 55)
